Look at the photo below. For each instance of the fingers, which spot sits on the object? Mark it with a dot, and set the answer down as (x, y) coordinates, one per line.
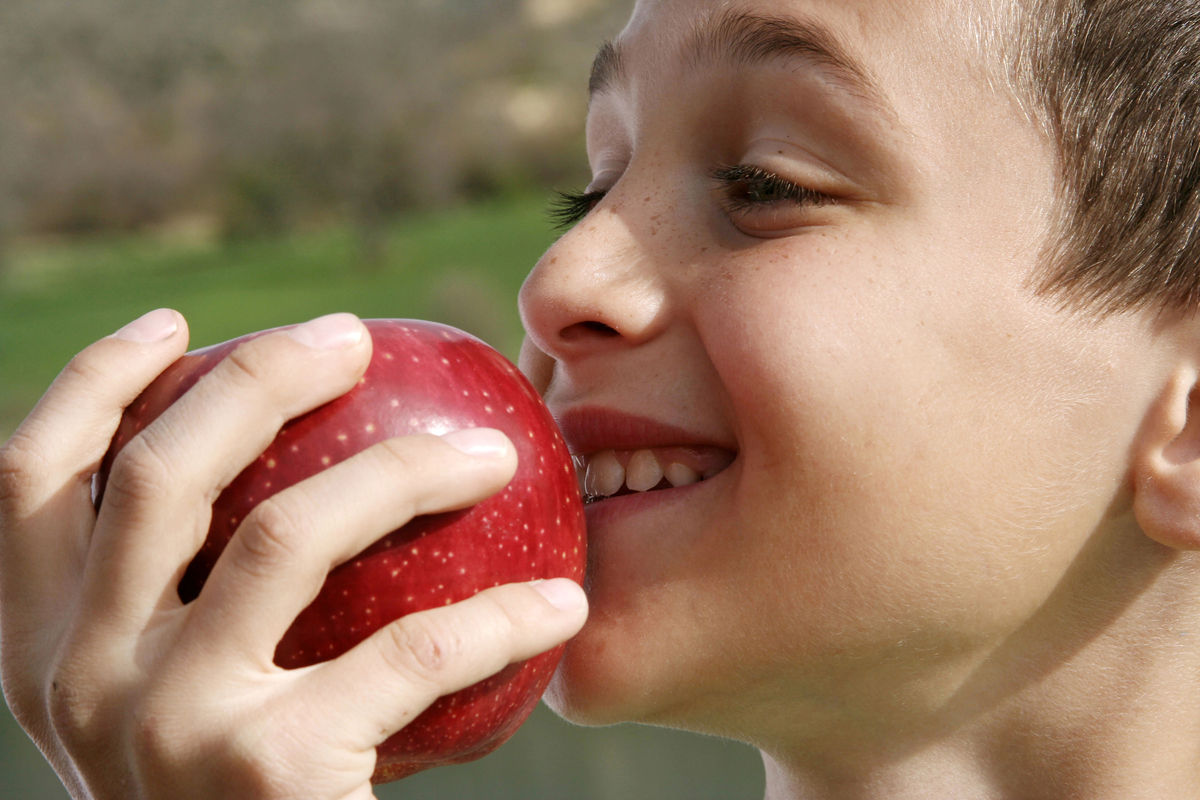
(68, 432)
(386, 681)
(157, 502)
(109, 687)
(276, 563)
(46, 467)
(46, 515)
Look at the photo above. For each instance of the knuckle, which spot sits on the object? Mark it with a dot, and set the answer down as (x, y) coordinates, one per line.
(28, 706)
(267, 758)
(403, 459)
(244, 367)
(22, 465)
(422, 651)
(250, 378)
(502, 619)
(140, 472)
(153, 735)
(170, 738)
(400, 453)
(163, 744)
(75, 713)
(274, 534)
(85, 369)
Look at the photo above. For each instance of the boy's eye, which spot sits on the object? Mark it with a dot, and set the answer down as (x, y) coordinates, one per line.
(568, 208)
(748, 188)
(758, 200)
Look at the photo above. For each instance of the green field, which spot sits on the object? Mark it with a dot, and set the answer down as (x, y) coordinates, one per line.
(464, 268)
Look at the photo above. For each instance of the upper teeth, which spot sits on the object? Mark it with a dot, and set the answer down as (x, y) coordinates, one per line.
(602, 474)
(643, 472)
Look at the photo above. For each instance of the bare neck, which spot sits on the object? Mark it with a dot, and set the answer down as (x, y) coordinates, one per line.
(1096, 708)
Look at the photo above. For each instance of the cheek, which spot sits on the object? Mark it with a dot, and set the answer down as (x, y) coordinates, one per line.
(938, 470)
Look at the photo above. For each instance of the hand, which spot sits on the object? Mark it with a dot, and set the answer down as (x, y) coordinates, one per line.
(132, 694)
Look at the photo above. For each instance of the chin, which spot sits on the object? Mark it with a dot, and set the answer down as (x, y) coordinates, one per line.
(614, 671)
(586, 690)
(609, 675)
(570, 704)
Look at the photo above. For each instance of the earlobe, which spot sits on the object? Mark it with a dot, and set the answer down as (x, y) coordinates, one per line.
(1167, 466)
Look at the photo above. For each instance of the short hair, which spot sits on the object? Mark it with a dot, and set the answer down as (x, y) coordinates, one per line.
(1117, 83)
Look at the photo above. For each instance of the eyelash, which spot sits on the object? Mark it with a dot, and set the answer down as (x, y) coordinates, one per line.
(745, 188)
(568, 208)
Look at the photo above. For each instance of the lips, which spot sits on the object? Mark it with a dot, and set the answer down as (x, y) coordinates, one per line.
(617, 453)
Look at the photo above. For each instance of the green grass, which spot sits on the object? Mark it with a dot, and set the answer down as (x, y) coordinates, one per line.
(462, 267)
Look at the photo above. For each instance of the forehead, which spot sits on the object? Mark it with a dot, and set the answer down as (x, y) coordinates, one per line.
(874, 48)
(947, 21)
(920, 85)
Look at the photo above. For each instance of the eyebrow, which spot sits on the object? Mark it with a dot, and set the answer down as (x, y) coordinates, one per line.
(744, 39)
(607, 70)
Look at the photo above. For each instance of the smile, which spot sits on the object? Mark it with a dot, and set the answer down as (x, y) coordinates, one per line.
(609, 473)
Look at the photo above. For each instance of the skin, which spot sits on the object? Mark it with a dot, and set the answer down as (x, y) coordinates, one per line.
(951, 557)
(927, 541)
(131, 694)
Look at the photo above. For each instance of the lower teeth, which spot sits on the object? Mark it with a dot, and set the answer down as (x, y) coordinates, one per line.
(624, 490)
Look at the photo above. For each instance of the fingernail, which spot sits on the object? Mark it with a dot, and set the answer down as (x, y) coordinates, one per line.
(486, 442)
(563, 593)
(331, 332)
(153, 327)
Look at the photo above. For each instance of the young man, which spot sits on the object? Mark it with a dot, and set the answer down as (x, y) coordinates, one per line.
(908, 284)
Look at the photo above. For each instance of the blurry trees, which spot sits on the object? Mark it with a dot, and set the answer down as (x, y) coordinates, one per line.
(254, 116)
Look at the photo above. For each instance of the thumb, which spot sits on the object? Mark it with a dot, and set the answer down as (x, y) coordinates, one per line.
(388, 679)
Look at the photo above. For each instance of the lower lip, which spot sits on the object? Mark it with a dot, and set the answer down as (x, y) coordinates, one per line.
(609, 510)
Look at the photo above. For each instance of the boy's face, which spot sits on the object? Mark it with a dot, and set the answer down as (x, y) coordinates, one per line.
(814, 256)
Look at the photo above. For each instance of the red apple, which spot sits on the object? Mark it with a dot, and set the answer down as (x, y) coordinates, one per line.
(423, 378)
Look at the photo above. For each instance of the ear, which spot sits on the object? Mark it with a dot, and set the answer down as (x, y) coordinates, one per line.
(1167, 465)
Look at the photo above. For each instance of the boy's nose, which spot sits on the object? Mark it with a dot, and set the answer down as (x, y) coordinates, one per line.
(598, 288)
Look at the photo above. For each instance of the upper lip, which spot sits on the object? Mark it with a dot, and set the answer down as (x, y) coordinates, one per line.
(588, 429)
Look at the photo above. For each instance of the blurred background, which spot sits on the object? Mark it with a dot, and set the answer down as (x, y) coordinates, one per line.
(259, 162)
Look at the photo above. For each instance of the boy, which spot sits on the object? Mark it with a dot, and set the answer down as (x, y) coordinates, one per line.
(899, 292)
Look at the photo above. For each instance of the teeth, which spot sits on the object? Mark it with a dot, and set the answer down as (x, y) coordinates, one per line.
(643, 472)
(681, 474)
(605, 475)
(580, 464)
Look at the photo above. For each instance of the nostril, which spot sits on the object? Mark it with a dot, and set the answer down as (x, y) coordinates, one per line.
(586, 329)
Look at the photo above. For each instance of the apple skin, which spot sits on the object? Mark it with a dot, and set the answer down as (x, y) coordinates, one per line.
(423, 378)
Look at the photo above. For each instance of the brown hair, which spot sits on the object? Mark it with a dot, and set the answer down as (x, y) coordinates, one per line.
(1118, 83)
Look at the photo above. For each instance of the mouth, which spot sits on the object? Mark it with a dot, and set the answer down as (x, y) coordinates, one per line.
(612, 473)
(617, 453)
